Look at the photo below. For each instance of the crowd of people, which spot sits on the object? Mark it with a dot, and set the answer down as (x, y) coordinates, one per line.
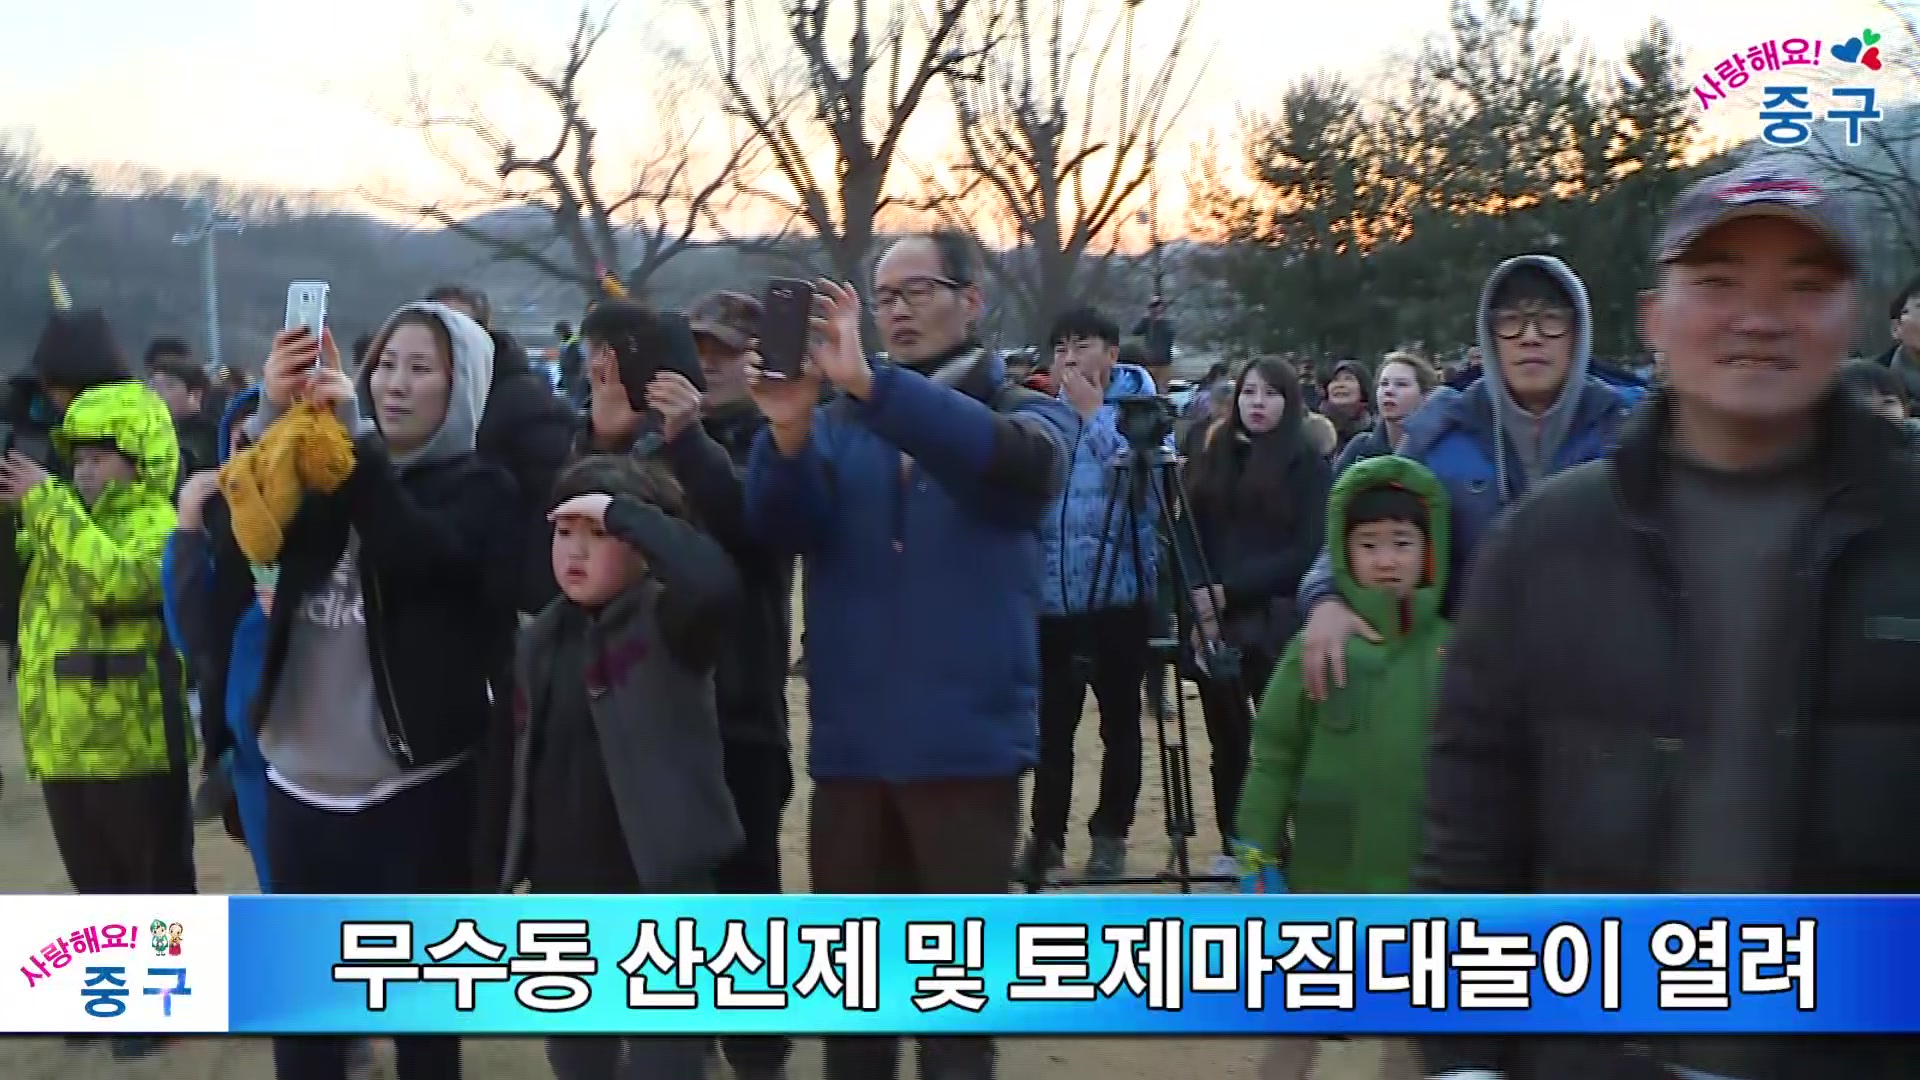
(1544, 628)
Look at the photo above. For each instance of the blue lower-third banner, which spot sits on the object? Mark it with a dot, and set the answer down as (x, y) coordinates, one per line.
(1013, 965)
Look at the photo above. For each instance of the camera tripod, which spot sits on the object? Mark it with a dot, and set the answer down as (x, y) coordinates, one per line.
(1151, 472)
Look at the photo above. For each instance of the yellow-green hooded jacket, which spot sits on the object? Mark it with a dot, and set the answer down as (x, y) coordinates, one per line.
(101, 694)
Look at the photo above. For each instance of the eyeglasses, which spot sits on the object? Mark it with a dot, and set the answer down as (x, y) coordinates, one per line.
(1551, 322)
(915, 291)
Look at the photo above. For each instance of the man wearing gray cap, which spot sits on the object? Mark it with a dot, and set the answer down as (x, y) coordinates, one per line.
(1681, 668)
(751, 677)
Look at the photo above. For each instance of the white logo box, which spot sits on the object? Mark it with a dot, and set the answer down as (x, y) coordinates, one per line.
(49, 943)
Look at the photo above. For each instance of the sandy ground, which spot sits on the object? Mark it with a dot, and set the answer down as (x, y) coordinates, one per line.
(30, 864)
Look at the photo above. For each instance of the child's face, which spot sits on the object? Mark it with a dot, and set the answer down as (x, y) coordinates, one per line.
(1390, 555)
(591, 566)
(94, 467)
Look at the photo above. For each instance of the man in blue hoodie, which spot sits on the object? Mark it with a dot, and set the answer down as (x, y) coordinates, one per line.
(915, 497)
(1101, 553)
(1537, 409)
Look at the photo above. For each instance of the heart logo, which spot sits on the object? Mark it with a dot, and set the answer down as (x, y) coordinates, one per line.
(1870, 37)
(1848, 53)
(1872, 59)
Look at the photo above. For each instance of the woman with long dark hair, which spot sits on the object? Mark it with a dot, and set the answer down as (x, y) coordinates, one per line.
(1259, 493)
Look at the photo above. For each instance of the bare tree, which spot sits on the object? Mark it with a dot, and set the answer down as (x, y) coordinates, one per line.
(860, 100)
(581, 223)
(1059, 137)
(1883, 173)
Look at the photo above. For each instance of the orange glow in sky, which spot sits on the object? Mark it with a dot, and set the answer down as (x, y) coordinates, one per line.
(302, 98)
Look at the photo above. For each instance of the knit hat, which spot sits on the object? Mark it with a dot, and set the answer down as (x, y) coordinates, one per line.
(77, 352)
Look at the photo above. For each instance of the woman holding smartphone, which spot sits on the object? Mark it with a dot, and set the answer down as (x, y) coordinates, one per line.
(370, 709)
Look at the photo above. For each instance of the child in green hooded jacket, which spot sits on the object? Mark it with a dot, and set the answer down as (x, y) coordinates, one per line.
(1349, 773)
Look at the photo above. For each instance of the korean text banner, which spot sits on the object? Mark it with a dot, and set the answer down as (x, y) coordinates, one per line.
(1014, 965)
(1122, 965)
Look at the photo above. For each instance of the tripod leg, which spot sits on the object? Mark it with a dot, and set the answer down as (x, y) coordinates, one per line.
(1179, 542)
(1180, 791)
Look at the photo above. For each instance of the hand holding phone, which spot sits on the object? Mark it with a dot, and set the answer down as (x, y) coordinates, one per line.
(307, 308)
(669, 348)
(786, 327)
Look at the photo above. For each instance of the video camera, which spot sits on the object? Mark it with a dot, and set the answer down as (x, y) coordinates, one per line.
(1144, 420)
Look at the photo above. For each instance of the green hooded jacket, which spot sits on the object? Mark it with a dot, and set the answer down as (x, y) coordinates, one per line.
(101, 693)
(1350, 773)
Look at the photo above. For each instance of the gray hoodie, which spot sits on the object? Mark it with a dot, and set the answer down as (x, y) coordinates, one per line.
(323, 737)
(1535, 439)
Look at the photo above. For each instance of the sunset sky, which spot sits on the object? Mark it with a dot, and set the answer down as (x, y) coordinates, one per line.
(301, 96)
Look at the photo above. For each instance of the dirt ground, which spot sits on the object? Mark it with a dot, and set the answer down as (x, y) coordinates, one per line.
(30, 864)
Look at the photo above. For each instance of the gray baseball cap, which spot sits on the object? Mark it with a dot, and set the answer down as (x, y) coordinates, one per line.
(1771, 186)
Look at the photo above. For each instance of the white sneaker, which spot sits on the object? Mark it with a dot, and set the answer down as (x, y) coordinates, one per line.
(1224, 866)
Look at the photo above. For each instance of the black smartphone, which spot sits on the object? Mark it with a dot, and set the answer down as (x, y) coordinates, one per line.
(669, 348)
(786, 326)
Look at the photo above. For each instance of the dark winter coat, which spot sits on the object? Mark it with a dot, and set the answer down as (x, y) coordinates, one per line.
(1565, 707)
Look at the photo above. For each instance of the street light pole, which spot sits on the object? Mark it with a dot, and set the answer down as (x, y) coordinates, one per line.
(1151, 216)
(1153, 196)
(209, 225)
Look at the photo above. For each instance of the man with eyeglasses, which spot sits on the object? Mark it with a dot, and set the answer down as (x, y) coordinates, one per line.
(1536, 410)
(1689, 668)
(914, 499)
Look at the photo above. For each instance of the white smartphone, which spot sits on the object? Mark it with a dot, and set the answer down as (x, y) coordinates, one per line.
(307, 306)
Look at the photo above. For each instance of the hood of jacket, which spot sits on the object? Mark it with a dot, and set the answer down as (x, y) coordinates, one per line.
(1507, 414)
(466, 398)
(241, 402)
(1129, 380)
(1379, 608)
(134, 419)
(1126, 380)
(509, 356)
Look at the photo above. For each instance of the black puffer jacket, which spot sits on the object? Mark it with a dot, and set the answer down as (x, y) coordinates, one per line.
(1564, 708)
(527, 431)
(751, 678)
(1261, 528)
(436, 562)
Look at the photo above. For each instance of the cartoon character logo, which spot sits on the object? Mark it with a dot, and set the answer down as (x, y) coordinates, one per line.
(174, 933)
(159, 938)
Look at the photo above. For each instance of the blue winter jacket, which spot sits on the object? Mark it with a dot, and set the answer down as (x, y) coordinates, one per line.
(1089, 559)
(1452, 435)
(187, 577)
(922, 576)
